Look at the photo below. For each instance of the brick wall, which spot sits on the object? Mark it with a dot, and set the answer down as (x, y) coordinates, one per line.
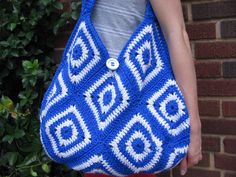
(211, 25)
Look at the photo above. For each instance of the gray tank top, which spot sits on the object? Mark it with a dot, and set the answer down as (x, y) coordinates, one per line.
(115, 21)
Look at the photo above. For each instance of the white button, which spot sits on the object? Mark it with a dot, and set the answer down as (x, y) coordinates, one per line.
(112, 63)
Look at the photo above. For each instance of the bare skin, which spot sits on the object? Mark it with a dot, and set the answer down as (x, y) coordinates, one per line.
(170, 17)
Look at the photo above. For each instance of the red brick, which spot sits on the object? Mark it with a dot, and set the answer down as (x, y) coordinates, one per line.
(210, 143)
(226, 162)
(208, 69)
(61, 40)
(209, 107)
(230, 174)
(229, 69)
(229, 108)
(228, 29)
(66, 6)
(219, 126)
(185, 11)
(230, 145)
(191, 172)
(225, 87)
(204, 50)
(205, 162)
(201, 31)
(211, 10)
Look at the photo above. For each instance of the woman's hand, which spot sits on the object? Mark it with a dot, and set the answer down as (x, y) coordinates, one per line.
(194, 154)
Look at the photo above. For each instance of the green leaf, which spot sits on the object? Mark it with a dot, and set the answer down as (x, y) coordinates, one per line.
(59, 24)
(29, 35)
(27, 64)
(45, 2)
(10, 64)
(38, 51)
(22, 96)
(11, 157)
(33, 81)
(46, 168)
(15, 53)
(4, 43)
(74, 5)
(8, 138)
(75, 15)
(58, 5)
(28, 160)
(65, 15)
(1, 107)
(6, 103)
(4, 53)
(19, 133)
(32, 172)
(11, 26)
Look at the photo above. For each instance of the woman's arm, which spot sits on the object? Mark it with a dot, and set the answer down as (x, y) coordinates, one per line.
(170, 18)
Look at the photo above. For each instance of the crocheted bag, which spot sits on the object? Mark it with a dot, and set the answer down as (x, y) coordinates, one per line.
(119, 118)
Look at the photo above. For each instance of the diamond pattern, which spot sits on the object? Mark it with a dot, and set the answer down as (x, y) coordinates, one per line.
(138, 154)
(142, 57)
(78, 137)
(103, 108)
(66, 133)
(82, 55)
(170, 109)
(146, 157)
(109, 90)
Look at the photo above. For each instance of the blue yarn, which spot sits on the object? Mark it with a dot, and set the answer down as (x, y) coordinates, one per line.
(118, 122)
(77, 52)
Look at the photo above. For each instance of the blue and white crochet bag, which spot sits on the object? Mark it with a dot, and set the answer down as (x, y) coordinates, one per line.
(115, 116)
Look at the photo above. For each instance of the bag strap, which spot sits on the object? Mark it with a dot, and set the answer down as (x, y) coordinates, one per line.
(87, 7)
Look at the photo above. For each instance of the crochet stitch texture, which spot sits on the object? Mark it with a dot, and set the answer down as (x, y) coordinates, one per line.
(117, 122)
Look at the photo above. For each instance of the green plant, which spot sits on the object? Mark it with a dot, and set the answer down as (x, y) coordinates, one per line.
(27, 32)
